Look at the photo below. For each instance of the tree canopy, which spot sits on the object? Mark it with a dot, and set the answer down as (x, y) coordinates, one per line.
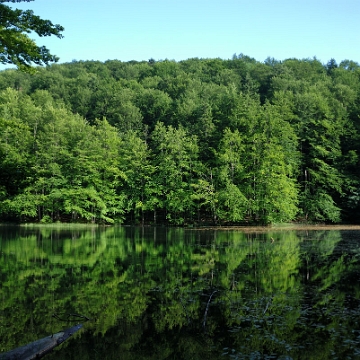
(16, 47)
(200, 141)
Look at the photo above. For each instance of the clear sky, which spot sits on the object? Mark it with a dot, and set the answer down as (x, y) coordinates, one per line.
(181, 29)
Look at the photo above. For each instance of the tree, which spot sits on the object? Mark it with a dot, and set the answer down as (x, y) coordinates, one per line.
(331, 66)
(269, 160)
(176, 161)
(15, 45)
(15, 143)
(232, 201)
(138, 170)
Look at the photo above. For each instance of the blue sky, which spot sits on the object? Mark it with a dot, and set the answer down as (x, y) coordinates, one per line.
(181, 29)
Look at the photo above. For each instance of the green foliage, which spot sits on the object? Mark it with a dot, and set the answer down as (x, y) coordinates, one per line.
(196, 141)
(175, 158)
(16, 47)
(135, 163)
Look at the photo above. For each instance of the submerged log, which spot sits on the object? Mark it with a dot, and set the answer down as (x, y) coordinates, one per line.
(39, 348)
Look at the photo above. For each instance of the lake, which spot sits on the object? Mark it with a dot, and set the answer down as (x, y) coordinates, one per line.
(174, 293)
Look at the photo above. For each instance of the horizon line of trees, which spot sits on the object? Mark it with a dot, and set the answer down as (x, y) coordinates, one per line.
(198, 141)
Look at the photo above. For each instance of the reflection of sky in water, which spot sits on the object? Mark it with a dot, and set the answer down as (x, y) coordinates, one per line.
(184, 293)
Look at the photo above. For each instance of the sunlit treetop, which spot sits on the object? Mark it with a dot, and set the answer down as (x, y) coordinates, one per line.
(16, 47)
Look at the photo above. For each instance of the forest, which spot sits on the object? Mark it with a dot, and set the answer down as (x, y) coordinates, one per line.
(192, 142)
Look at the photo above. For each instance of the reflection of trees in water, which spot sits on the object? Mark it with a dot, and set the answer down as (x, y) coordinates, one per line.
(179, 293)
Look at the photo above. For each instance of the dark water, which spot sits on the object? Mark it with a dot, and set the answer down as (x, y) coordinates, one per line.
(182, 294)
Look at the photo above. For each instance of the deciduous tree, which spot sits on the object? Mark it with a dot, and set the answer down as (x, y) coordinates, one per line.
(16, 47)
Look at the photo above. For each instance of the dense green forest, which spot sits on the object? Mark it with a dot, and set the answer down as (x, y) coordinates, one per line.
(199, 141)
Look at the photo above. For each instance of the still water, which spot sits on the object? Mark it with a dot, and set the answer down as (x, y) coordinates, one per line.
(168, 293)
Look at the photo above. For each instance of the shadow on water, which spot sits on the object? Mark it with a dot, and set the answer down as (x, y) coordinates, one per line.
(169, 293)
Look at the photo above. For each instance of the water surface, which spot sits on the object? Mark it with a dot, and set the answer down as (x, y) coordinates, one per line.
(168, 293)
